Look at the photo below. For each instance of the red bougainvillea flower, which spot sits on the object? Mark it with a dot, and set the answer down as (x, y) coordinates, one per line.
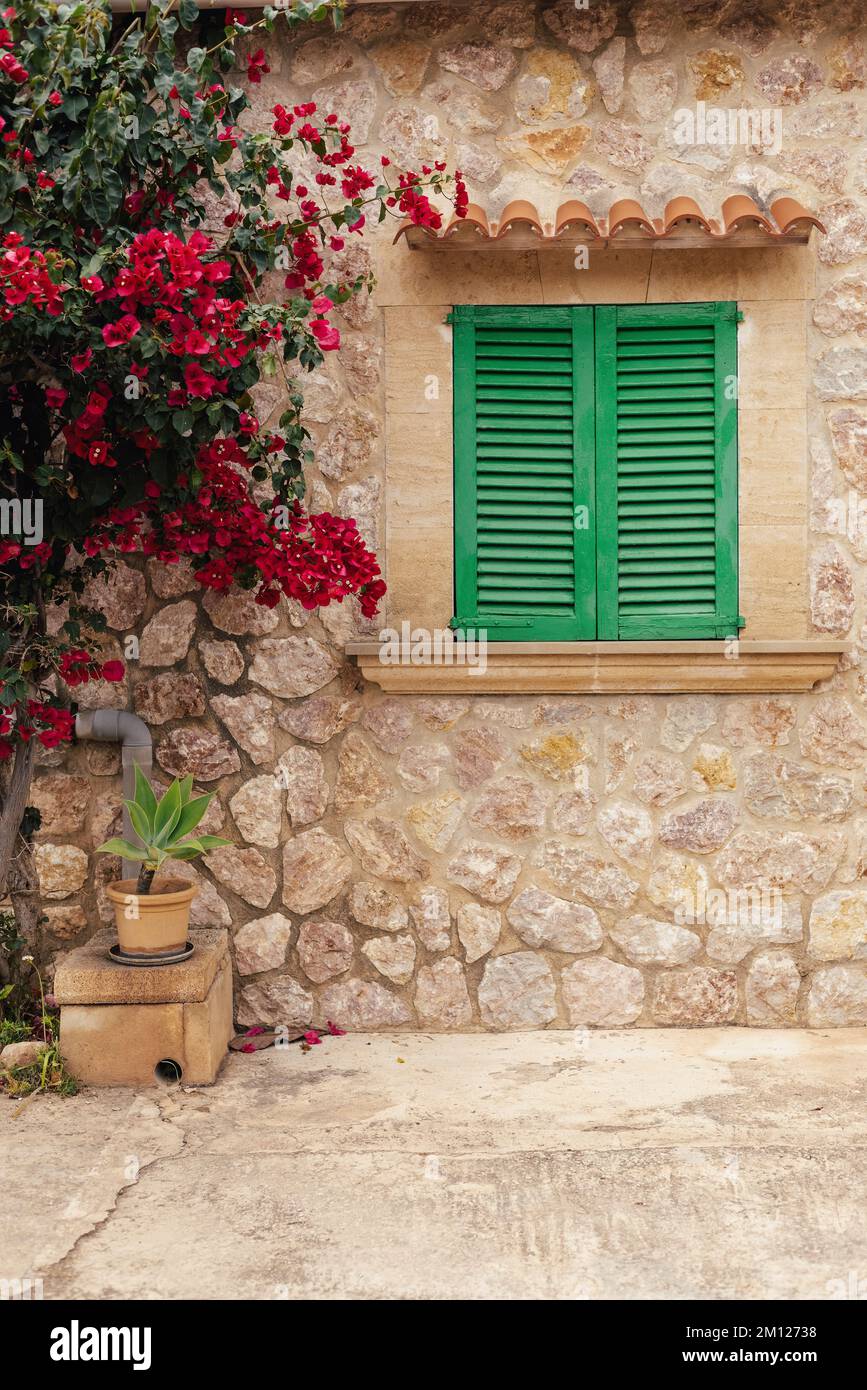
(112, 671)
(55, 397)
(312, 1038)
(117, 334)
(335, 1031)
(326, 335)
(256, 65)
(81, 361)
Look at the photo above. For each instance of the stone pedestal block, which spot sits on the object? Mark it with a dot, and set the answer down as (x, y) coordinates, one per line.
(123, 1025)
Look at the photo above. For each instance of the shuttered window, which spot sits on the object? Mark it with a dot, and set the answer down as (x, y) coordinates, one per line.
(596, 471)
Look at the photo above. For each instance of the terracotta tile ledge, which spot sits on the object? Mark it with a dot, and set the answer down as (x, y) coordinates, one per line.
(537, 668)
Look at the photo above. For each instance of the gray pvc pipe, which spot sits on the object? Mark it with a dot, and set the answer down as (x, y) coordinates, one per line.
(136, 747)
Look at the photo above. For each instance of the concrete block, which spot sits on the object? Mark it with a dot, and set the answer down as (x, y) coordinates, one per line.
(118, 1023)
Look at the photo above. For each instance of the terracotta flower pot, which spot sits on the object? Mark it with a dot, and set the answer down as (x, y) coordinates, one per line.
(154, 923)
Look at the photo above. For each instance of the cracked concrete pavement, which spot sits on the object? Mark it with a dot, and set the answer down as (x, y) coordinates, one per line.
(711, 1163)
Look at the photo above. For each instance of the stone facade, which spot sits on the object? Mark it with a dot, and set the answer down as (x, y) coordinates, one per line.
(534, 861)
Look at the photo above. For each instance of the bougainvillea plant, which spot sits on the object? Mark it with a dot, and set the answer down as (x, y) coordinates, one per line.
(161, 253)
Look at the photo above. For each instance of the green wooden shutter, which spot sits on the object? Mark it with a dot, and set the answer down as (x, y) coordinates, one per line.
(524, 472)
(666, 471)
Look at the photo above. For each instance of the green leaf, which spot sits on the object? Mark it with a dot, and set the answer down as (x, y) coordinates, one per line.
(191, 814)
(140, 822)
(167, 813)
(188, 13)
(209, 842)
(123, 848)
(144, 795)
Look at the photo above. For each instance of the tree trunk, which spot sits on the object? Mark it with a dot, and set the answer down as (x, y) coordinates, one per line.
(15, 798)
(23, 888)
(145, 879)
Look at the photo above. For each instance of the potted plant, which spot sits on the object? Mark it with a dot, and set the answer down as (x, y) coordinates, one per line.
(153, 917)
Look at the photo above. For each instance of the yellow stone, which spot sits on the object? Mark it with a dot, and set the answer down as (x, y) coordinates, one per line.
(563, 74)
(556, 755)
(435, 822)
(548, 151)
(716, 769)
(402, 64)
(716, 73)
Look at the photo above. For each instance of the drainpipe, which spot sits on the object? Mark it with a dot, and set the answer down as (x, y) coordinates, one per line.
(136, 747)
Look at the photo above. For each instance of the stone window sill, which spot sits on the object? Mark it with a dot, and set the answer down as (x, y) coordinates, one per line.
(601, 668)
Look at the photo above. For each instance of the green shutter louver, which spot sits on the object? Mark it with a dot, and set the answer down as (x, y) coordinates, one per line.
(666, 471)
(523, 472)
(596, 471)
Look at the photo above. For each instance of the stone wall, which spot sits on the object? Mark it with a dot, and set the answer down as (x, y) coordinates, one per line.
(514, 861)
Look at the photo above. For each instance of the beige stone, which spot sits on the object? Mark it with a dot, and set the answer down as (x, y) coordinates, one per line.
(478, 929)
(838, 997)
(833, 733)
(250, 721)
(301, 771)
(279, 1002)
(701, 828)
(197, 751)
(361, 779)
(838, 925)
(375, 906)
(166, 638)
(360, 1006)
(486, 65)
(62, 870)
(61, 801)
(557, 755)
(324, 949)
(789, 860)
(402, 64)
(552, 86)
(245, 872)
(119, 594)
(315, 870)
(648, 941)
(577, 870)
(627, 829)
(431, 918)
(485, 870)
(517, 991)
(256, 810)
(678, 885)
(441, 998)
(383, 850)
(288, 666)
(261, 944)
(695, 997)
(601, 993)
(392, 956)
(543, 920)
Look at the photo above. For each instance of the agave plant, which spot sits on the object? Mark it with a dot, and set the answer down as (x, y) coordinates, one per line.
(161, 827)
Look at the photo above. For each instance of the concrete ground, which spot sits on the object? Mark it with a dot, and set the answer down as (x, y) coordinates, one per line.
(720, 1163)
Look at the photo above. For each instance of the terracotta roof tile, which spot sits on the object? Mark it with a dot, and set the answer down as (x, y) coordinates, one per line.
(683, 222)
